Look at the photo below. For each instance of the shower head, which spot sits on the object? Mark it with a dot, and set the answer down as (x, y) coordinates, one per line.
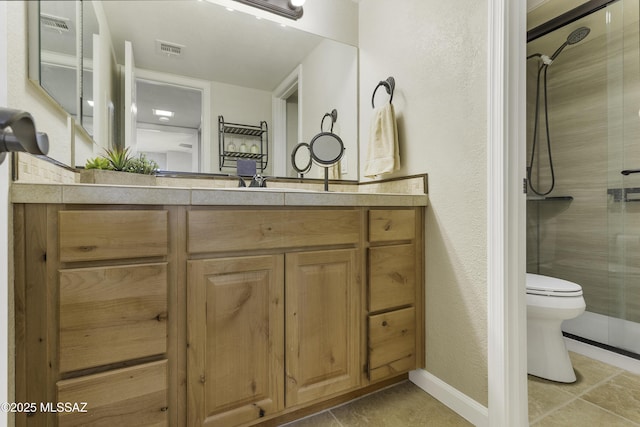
(576, 36)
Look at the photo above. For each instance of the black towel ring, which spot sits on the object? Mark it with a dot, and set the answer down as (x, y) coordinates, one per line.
(389, 85)
(333, 115)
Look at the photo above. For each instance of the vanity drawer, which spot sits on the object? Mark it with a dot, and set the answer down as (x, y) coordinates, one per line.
(112, 314)
(392, 276)
(105, 235)
(390, 225)
(137, 395)
(229, 230)
(392, 343)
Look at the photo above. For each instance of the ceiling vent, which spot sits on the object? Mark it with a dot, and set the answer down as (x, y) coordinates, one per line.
(56, 23)
(168, 49)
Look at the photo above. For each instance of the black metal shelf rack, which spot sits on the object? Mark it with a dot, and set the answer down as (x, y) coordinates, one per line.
(255, 134)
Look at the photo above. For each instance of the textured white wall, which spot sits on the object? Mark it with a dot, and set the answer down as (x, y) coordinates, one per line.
(436, 51)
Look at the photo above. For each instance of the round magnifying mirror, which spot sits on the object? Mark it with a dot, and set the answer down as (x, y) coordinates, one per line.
(326, 148)
(301, 159)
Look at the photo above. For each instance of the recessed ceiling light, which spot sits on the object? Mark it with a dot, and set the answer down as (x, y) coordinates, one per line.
(163, 113)
(229, 9)
(163, 119)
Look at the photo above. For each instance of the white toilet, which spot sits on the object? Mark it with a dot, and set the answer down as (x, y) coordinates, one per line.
(549, 302)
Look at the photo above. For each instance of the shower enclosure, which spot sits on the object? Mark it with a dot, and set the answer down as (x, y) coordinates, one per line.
(587, 229)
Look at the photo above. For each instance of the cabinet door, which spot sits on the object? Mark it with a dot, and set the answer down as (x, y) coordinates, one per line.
(322, 324)
(235, 316)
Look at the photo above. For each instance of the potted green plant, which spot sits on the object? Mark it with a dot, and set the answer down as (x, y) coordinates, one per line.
(103, 169)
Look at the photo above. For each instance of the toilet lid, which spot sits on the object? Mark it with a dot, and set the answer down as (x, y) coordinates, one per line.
(551, 286)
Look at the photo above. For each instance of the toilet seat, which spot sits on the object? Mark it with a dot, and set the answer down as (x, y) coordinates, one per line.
(551, 286)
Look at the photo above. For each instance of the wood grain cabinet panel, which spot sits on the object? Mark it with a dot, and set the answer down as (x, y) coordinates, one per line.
(235, 322)
(390, 225)
(112, 314)
(392, 343)
(223, 230)
(133, 396)
(322, 327)
(105, 235)
(392, 277)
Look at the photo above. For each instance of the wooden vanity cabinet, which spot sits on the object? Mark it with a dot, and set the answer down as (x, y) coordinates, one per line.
(217, 316)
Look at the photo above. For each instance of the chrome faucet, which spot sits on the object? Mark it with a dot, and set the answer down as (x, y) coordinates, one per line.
(258, 181)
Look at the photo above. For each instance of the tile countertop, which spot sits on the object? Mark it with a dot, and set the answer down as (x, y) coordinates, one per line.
(137, 195)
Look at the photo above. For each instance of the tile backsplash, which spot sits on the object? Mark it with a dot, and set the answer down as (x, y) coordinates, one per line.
(31, 169)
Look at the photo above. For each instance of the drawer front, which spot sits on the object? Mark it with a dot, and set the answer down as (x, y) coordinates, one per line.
(392, 277)
(105, 235)
(229, 230)
(392, 343)
(112, 314)
(389, 225)
(134, 396)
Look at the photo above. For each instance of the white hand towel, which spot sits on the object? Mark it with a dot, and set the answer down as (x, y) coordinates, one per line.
(382, 152)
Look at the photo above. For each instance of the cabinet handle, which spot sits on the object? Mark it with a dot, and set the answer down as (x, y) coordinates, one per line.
(384, 323)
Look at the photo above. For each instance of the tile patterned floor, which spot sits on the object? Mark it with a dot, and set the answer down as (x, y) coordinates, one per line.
(603, 395)
(403, 405)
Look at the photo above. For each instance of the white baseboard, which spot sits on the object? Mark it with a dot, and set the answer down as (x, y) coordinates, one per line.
(457, 401)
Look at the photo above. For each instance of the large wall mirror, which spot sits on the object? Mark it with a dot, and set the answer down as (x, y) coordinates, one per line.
(194, 61)
(57, 28)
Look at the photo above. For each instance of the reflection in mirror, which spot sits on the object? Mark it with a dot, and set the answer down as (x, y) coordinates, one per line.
(243, 60)
(89, 29)
(292, 132)
(59, 58)
(168, 125)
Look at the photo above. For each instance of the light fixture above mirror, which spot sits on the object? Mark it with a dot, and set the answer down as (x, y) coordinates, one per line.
(291, 9)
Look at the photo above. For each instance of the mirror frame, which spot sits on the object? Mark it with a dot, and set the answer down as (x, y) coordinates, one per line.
(294, 164)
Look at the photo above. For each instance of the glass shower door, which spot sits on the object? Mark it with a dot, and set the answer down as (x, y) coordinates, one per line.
(623, 202)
